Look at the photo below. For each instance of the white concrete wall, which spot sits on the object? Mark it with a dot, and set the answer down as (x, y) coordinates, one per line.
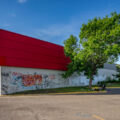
(81, 80)
(20, 79)
(0, 81)
(15, 79)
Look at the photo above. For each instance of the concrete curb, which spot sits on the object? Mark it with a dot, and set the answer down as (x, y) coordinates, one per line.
(78, 92)
(66, 93)
(106, 87)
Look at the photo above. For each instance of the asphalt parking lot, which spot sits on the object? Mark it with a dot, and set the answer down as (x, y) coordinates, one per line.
(60, 107)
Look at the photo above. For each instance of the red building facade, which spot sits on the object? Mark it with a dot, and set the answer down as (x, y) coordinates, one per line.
(22, 51)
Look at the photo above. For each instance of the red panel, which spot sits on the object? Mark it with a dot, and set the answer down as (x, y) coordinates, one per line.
(28, 56)
(23, 51)
(2, 60)
(30, 48)
(30, 64)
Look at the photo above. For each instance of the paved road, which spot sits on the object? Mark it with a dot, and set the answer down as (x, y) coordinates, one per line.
(114, 91)
(60, 107)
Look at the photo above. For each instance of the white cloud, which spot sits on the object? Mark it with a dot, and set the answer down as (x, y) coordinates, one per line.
(22, 1)
(59, 32)
(6, 25)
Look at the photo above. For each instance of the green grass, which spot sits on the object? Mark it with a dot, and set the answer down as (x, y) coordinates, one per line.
(113, 85)
(55, 90)
(108, 84)
(64, 90)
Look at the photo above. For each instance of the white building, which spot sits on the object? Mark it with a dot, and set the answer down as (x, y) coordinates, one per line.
(28, 64)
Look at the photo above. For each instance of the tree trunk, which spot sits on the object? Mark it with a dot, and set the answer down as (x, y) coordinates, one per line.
(90, 83)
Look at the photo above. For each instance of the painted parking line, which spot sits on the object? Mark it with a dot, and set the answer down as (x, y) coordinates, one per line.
(98, 117)
(90, 92)
(106, 87)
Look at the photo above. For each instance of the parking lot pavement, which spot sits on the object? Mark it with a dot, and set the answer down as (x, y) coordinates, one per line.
(113, 91)
(60, 107)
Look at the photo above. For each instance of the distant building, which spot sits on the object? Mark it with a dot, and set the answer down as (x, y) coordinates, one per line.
(27, 64)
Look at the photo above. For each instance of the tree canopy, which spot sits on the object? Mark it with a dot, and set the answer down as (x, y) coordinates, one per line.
(99, 43)
(118, 72)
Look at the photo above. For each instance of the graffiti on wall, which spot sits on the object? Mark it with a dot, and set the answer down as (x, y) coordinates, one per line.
(5, 85)
(28, 79)
(5, 74)
(13, 81)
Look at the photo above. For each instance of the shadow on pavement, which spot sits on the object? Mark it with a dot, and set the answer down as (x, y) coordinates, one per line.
(110, 91)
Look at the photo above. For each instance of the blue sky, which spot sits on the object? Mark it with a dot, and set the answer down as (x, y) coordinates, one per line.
(52, 20)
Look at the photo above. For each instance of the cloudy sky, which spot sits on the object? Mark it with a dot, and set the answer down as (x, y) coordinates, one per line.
(52, 20)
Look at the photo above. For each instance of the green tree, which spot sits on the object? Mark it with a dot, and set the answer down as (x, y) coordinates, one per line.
(118, 72)
(99, 43)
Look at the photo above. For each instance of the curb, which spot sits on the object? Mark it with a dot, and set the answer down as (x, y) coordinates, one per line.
(66, 93)
(106, 87)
